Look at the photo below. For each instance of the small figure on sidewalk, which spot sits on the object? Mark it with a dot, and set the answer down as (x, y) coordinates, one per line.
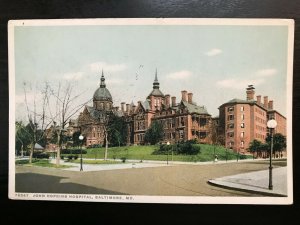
(216, 158)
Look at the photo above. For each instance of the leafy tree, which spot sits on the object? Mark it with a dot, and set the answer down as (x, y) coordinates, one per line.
(75, 137)
(155, 133)
(22, 137)
(255, 146)
(117, 129)
(279, 142)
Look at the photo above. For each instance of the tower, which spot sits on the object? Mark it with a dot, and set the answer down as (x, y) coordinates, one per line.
(102, 99)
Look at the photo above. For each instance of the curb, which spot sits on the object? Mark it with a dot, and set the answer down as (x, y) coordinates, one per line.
(217, 184)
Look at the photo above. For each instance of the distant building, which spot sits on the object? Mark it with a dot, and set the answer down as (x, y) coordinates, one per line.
(181, 121)
(242, 121)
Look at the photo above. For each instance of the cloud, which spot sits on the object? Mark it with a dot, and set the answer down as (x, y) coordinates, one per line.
(114, 81)
(213, 52)
(266, 72)
(73, 76)
(239, 83)
(106, 67)
(180, 75)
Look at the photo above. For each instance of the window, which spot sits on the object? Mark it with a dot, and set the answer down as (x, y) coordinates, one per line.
(182, 121)
(242, 108)
(230, 117)
(242, 117)
(242, 134)
(230, 109)
(181, 134)
(242, 125)
(230, 134)
(230, 144)
(242, 144)
(230, 126)
(203, 122)
(202, 135)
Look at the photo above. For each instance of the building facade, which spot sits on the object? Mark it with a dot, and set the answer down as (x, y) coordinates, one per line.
(181, 121)
(242, 121)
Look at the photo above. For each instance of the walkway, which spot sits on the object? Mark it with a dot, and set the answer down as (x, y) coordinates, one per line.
(256, 182)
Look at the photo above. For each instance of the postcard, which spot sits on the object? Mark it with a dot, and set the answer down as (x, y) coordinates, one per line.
(180, 111)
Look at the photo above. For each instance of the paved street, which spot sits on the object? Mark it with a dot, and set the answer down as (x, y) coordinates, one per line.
(172, 180)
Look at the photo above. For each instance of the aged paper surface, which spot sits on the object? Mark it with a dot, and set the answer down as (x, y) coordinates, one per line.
(85, 93)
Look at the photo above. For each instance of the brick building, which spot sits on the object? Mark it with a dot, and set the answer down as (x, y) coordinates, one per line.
(183, 120)
(242, 121)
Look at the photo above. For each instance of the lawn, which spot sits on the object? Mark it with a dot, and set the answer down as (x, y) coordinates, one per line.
(145, 152)
(39, 162)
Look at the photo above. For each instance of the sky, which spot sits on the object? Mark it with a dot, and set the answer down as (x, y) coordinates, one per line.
(215, 63)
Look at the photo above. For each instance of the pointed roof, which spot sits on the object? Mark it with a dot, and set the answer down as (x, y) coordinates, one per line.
(156, 91)
(38, 147)
(102, 81)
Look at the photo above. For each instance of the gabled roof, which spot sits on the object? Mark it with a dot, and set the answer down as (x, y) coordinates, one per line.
(146, 105)
(156, 92)
(95, 114)
(38, 146)
(192, 108)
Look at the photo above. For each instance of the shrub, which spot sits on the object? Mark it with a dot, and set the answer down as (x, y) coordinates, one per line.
(42, 155)
(183, 148)
(73, 151)
(123, 159)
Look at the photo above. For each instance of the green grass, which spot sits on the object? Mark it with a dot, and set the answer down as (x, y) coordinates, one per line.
(142, 152)
(39, 162)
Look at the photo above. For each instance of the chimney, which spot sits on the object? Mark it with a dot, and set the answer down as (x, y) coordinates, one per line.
(250, 92)
(167, 100)
(190, 98)
(133, 108)
(270, 104)
(123, 106)
(173, 101)
(266, 102)
(184, 96)
(127, 108)
(258, 99)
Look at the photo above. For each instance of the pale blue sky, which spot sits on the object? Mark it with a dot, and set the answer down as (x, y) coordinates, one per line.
(216, 63)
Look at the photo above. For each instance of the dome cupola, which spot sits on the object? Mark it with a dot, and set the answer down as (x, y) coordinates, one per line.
(102, 93)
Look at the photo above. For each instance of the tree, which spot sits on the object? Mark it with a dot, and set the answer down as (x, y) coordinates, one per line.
(104, 118)
(155, 133)
(279, 142)
(61, 110)
(75, 138)
(117, 129)
(22, 137)
(37, 119)
(255, 146)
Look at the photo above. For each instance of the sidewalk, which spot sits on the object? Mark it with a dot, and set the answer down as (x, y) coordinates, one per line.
(256, 182)
(99, 167)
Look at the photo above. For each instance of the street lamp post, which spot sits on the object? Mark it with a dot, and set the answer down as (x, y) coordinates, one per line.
(81, 139)
(271, 125)
(168, 144)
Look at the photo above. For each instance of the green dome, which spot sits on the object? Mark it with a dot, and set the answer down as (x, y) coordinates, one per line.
(102, 94)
